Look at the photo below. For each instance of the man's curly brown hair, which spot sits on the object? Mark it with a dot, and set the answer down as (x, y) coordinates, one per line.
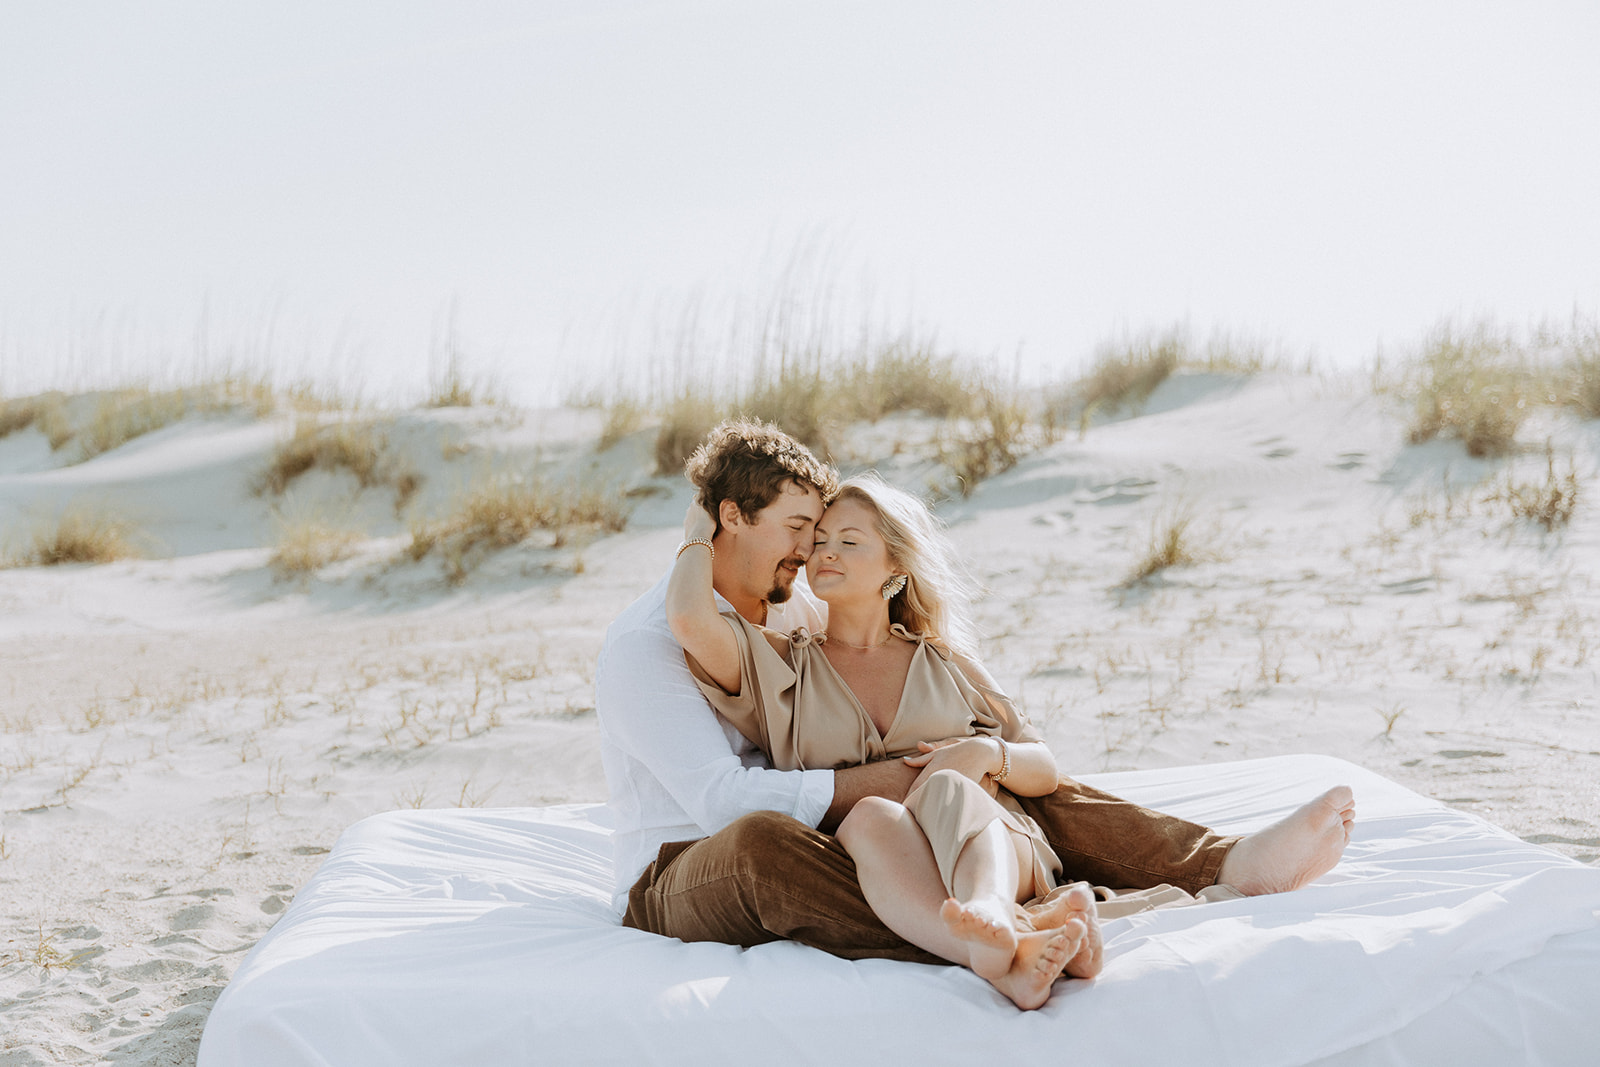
(748, 462)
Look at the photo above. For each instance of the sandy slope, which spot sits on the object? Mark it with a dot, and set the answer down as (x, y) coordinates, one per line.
(182, 738)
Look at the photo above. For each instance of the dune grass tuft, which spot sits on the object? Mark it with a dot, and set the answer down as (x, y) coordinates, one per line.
(1582, 371)
(802, 399)
(812, 398)
(103, 421)
(503, 511)
(1477, 385)
(357, 446)
(905, 376)
(1174, 542)
(1549, 502)
(999, 439)
(79, 535)
(623, 417)
(17, 415)
(1121, 378)
(129, 413)
(450, 387)
(304, 546)
(46, 412)
(684, 424)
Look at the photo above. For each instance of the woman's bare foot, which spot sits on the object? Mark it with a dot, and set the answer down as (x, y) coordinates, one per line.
(988, 928)
(1037, 964)
(1297, 849)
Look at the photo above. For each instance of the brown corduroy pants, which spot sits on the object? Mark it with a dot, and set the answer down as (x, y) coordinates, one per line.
(768, 877)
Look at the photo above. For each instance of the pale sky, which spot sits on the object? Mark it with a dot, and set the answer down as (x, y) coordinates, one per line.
(320, 183)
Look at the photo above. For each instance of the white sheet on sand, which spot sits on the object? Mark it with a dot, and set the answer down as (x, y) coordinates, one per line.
(486, 937)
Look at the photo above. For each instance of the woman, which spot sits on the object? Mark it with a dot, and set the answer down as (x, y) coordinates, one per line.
(894, 676)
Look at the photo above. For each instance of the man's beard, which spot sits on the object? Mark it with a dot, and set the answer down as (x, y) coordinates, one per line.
(780, 592)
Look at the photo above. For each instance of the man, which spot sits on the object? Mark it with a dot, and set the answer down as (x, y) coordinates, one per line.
(713, 845)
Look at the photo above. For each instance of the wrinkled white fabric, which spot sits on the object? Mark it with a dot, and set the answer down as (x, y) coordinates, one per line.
(474, 937)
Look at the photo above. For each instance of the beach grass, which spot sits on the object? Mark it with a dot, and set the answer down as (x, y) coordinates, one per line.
(999, 437)
(814, 398)
(500, 511)
(1582, 370)
(306, 545)
(1174, 541)
(129, 413)
(803, 399)
(1548, 501)
(1477, 384)
(685, 421)
(903, 376)
(45, 412)
(449, 386)
(105, 420)
(623, 417)
(1120, 379)
(79, 535)
(359, 446)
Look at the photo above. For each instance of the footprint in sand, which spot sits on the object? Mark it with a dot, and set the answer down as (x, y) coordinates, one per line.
(194, 917)
(1558, 839)
(79, 933)
(273, 904)
(308, 850)
(1280, 453)
(1410, 586)
(156, 970)
(1349, 461)
(1126, 491)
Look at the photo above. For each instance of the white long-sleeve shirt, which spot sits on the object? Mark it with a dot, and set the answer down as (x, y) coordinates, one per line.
(674, 768)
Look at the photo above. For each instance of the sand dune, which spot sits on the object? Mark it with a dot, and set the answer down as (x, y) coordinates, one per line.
(183, 736)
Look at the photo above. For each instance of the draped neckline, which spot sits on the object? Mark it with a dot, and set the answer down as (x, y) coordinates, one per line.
(923, 641)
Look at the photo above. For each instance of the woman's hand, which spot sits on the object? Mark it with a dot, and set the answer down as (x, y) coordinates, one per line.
(692, 607)
(975, 757)
(698, 525)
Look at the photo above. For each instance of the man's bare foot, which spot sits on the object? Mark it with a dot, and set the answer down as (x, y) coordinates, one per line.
(987, 927)
(1037, 964)
(1088, 960)
(1048, 914)
(1072, 909)
(1296, 849)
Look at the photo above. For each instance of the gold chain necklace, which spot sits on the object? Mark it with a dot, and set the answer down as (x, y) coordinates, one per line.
(864, 648)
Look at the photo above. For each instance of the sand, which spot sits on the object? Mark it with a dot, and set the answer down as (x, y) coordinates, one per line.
(182, 737)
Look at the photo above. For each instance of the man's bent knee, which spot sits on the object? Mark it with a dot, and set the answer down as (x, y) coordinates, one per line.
(762, 830)
(763, 844)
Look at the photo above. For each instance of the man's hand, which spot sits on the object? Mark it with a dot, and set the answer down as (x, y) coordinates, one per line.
(889, 778)
(975, 757)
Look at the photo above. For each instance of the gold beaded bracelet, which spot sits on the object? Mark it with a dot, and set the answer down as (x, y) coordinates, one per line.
(698, 541)
(1005, 761)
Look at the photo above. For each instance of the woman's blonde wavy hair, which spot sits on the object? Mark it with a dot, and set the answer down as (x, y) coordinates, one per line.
(939, 591)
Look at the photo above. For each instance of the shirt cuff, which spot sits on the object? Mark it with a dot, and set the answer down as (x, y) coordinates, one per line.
(816, 797)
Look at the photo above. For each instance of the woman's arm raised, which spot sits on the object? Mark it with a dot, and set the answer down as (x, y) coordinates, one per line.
(692, 606)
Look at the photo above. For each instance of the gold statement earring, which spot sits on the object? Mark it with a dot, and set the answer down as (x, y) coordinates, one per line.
(892, 587)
